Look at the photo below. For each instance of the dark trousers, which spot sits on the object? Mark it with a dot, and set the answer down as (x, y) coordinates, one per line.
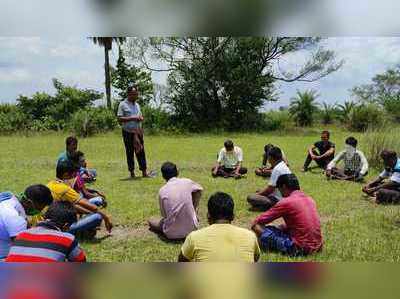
(130, 152)
(322, 163)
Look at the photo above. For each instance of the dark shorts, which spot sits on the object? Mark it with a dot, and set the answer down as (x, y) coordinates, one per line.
(273, 239)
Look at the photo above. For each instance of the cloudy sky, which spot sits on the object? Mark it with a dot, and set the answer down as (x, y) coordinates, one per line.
(28, 64)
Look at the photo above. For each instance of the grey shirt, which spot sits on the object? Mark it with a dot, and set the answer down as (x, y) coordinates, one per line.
(127, 108)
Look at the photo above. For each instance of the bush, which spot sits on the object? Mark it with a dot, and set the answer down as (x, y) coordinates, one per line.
(365, 117)
(378, 139)
(13, 122)
(277, 120)
(158, 120)
(90, 121)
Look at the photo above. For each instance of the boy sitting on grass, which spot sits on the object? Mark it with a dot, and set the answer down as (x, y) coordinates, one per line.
(49, 240)
(61, 191)
(265, 171)
(386, 187)
(229, 162)
(301, 233)
(269, 196)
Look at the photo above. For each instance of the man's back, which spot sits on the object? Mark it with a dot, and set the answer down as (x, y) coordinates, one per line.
(45, 244)
(221, 243)
(179, 215)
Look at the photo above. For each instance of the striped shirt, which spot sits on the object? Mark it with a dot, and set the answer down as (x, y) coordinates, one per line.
(45, 243)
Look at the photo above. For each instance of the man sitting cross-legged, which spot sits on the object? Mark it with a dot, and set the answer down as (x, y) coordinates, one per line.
(266, 170)
(179, 199)
(322, 152)
(355, 163)
(61, 191)
(221, 241)
(268, 197)
(229, 163)
(49, 240)
(301, 233)
(386, 191)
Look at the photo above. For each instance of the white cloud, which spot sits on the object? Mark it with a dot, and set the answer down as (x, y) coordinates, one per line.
(12, 76)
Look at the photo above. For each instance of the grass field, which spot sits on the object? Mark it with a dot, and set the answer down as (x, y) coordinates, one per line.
(354, 228)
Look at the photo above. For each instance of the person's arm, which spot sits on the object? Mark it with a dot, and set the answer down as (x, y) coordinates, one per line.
(334, 162)
(240, 161)
(267, 191)
(86, 193)
(125, 119)
(264, 162)
(364, 164)
(219, 161)
(83, 203)
(329, 152)
(196, 195)
(187, 250)
(238, 167)
(310, 151)
(275, 212)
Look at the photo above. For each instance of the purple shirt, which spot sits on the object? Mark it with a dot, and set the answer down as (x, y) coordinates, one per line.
(177, 210)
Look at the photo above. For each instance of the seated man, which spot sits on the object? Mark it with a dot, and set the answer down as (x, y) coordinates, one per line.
(269, 196)
(324, 155)
(229, 163)
(221, 241)
(386, 191)
(14, 212)
(48, 241)
(61, 191)
(355, 163)
(265, 171)
(301, 233)
(179, 199)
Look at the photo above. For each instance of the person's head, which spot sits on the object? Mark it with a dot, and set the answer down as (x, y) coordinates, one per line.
(65, 170)
(267, 148)
(220, 207)
(274, 156)
(71, 144)
(169, 170)
(78, 159)
(389, 158)
(325, 135)
(62, 214)
(351, 141)
(35, 199)
(287, 183)
(132, 92)
(228, 144)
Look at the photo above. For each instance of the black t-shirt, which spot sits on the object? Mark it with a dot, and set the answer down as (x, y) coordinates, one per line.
(323, 147)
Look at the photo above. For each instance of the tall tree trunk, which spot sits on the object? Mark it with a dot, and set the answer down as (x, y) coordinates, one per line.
(107, 76)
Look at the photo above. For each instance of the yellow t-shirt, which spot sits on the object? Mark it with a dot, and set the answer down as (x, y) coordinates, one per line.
(62, 191)
(221, 243)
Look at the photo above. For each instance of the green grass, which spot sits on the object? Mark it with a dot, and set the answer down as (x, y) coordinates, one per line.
(354, 229)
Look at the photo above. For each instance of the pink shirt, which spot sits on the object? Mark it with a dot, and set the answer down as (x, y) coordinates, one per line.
(299, 212)
(177, 208)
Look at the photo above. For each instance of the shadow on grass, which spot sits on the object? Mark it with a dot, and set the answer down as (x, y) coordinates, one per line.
(164, 239)
(128, 179)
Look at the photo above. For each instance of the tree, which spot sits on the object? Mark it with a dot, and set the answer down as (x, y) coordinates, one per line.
(303, 107)
(223, 82)
(106, 43)
(124, 74)
(328, 113)
(384, 91)
(344, 111)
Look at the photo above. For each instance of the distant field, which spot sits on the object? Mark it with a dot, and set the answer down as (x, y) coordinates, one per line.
(354, 229)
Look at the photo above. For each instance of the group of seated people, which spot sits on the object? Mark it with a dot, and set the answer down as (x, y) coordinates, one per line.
(45, 222)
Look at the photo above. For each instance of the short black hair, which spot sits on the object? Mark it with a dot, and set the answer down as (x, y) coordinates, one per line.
(275, 153)
(351, 141)
(61, 213)
(388, 155)
(220, 206)
(169, 170)
(268, 147)
(289, 180)
(70, 140)
(132, 86)
(75, 159)
(64, 167)
(39, 194)
(326, 133)
(228, 144)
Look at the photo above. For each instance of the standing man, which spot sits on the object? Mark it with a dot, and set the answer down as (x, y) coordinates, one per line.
(324, 155)
(130, 116)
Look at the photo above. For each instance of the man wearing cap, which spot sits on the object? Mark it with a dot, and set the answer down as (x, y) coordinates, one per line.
(130, 116)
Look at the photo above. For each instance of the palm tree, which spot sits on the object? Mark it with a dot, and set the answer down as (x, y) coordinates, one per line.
(345, 109)
(328, 113)
(107, 42)
(303, 107)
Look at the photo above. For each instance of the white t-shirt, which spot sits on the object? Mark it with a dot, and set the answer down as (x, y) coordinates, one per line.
(12, 222)
(231, 159)
(279, 169)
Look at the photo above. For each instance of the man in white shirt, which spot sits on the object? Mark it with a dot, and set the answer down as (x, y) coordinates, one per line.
(229, 163)
(355, 163)
(386, 187)
(14, 211)
(268, 197)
